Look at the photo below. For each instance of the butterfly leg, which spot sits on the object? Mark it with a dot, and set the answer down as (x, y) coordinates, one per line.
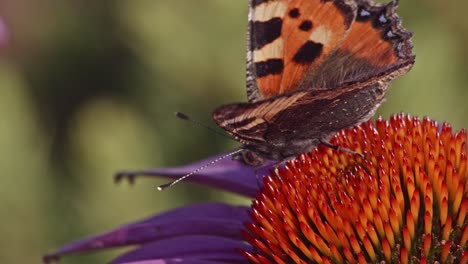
(257, 177)
(250, 158)
(263, 170)
(254, 160)
(276, 165)
(330, 145)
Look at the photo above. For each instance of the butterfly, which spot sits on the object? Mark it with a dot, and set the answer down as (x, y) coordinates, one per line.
(314, 67)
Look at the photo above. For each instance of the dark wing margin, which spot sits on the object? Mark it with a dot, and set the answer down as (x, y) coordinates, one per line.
(375, 43)
(253, 94)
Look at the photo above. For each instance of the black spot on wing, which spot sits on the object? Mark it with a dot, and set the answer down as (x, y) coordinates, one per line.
(259, 2)
(271, 66)
(294, 13)
(266, 32)
(308, 52)
(306, 25)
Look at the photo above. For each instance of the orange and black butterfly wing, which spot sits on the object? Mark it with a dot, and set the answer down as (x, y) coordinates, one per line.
(321, 44)
(287, 38)
(375, 43)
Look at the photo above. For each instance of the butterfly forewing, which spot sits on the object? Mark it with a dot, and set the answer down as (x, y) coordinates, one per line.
(317, 44)
(287, 38)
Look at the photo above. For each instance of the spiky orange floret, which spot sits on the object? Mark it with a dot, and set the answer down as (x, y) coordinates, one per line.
(405, 202)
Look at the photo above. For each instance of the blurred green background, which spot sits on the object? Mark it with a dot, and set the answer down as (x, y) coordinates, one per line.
(89, 87)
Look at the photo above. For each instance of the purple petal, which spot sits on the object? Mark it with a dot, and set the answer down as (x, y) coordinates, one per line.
(226, 174)
(188, 249)
(4, 33)
(215, 219)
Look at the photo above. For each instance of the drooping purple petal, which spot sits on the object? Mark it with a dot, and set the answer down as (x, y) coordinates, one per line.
(214, 219)
(188, 249)
(227, 174)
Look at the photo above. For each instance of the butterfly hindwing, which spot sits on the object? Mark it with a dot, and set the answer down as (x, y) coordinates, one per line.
(290, 124)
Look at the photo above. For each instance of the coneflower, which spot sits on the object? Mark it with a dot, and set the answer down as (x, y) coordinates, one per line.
(405, 201)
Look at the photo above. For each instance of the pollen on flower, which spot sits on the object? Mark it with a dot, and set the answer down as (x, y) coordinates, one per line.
(405, 202)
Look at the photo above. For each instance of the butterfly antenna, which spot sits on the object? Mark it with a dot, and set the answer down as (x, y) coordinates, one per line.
(170, 184)
(198, 123)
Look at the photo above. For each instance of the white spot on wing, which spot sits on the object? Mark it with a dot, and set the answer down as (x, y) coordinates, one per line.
(270, 51)
(257, 121)
(321, 35)
(269, 10)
